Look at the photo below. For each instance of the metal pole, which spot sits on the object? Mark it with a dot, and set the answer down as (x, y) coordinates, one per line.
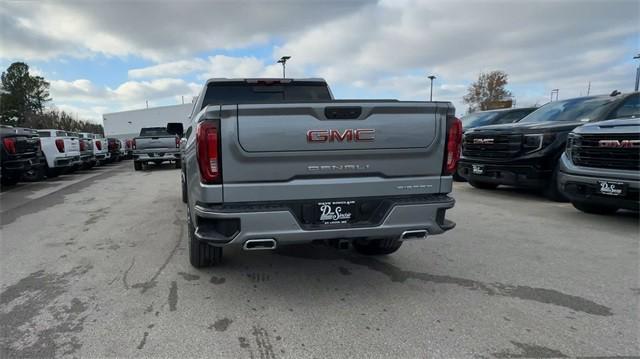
(284, 70)
(431, 77)
(589, 88)
(637, 72)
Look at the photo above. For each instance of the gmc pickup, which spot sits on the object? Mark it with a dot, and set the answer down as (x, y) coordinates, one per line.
(600, 170)
(155, 145)
(19, 153)
(269, 162)
(526, 153)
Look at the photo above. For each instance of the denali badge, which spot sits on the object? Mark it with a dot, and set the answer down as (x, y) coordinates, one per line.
(483, 141)
(348, 135)
(338, 167)
(619, 144)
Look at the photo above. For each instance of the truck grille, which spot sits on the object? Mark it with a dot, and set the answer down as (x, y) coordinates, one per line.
(491, 145)
(587, 151)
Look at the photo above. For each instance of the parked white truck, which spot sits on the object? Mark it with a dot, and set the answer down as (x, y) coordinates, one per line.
(61, 151)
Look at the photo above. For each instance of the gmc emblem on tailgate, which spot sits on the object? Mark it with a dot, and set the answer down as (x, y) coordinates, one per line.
(348, 135)
(619, 144)
(483, 141)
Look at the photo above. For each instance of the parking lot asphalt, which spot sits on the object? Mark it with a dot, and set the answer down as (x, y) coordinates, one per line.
(94, 264)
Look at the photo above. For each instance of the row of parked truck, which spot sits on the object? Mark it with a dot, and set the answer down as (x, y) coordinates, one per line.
(31, 155)
(586, 150)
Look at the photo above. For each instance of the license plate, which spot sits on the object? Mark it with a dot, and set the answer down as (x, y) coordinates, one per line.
(611, 188)
(477, 169)
(335, 212)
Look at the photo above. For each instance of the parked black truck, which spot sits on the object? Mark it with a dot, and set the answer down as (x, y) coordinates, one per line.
(19, 153)
(600, 169)
(526, 153)
(494, 117)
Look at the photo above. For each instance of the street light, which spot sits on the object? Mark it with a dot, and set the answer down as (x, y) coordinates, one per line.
(557, 92)
(283, 61)
(637, 71)
(431, 77)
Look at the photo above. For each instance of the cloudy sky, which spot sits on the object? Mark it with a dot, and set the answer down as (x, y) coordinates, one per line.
(109, 56)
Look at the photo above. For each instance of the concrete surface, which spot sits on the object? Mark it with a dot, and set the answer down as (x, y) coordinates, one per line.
(95, 265)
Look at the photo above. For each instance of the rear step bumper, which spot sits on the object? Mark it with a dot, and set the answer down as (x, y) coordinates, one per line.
(251, 229)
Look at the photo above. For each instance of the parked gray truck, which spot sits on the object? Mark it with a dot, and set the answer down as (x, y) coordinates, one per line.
(269, 162)
(600, 169)
(155, 145)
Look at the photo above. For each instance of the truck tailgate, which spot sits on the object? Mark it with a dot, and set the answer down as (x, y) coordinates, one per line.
(153, 143)
(332, 150)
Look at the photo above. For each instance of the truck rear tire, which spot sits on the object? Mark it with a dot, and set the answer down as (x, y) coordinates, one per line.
(376, 247)
(137, 166)
(483, 185)
(201, 254)
(594, 208)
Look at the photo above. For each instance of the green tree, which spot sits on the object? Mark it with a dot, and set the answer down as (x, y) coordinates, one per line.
(489, 88)
(22, 94)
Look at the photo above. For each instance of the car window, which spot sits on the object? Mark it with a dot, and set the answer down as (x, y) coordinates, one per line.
(44, 133)
(61, 134)
(583, 109)
(479, 119)
(513, 116)
(630, 108)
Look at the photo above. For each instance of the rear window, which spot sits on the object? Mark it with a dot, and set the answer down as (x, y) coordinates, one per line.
(44, 133)
(154, 131)
(577, 109)
(61, 134)
(227, 93)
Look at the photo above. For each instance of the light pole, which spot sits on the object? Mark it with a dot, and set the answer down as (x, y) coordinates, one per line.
(283, 61)
(637, 71)
(431, 77)
(556, 91)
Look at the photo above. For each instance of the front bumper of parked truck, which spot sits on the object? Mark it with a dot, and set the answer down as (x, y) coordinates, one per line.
(285, 223)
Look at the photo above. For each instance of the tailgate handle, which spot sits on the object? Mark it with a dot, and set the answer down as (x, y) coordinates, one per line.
(342, 113)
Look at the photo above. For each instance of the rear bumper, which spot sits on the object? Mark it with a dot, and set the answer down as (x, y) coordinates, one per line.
(150, 156)
(234, 226)
(17, 167)
(66, 161)
(583, 188)
(520, 175)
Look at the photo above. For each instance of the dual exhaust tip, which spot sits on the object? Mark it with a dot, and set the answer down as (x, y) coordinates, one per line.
(270, 243)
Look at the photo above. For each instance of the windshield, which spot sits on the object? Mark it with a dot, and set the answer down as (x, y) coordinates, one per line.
(577, 109)
(478, 119)
(221, 93)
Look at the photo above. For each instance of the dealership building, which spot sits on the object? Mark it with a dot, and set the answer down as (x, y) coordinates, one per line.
(127, 124)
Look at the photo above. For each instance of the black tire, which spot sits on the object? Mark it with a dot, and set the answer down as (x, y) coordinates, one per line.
(552, 191)
(178, 164)
(184, 188)
(376, 247)
(51, 172)
(594, 208)
(9, 180)
(137, 166)
(458, 178)
(201, 254)
(34, 174)
(483, 185)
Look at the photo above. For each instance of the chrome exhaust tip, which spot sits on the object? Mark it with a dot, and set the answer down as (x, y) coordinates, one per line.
(259, 244)
(414, 234)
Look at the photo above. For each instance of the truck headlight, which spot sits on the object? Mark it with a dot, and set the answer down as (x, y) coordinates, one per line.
(572, 141)
(537, 141)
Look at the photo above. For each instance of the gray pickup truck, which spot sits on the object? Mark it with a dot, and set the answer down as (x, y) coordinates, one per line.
(270, 162)
(155, 145)
(600, 169)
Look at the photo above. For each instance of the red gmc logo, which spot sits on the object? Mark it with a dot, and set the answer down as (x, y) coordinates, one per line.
(348, 135)
(619, 144)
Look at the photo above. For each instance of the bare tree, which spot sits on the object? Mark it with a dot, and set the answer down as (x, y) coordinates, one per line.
(489, 88)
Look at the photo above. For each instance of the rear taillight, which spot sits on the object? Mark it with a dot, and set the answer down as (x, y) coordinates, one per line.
(208, 153)
(10, 145)
(128, 144)
(452, 146)
(60, 145)
(133, 144)
(99, 145)
(83, 146)
(177, 142)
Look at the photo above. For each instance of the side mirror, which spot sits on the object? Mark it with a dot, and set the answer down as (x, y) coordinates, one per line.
(175, 128)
